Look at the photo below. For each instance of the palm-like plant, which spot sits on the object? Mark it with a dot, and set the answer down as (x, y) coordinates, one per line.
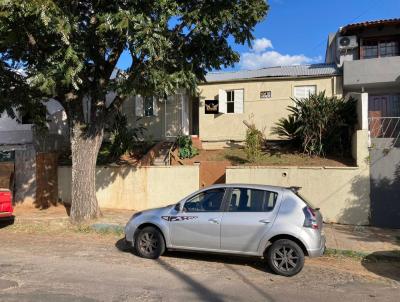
(319, 124)
(287, 128)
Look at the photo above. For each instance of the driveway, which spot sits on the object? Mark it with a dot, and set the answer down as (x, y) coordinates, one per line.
(75, 266)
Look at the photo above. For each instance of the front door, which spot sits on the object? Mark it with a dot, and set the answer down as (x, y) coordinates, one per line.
(177, 115)
(249, 216)
(198, 226)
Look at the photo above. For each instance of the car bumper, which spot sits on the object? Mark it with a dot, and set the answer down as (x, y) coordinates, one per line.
(6, 214)
(129, 231)
(319, 251)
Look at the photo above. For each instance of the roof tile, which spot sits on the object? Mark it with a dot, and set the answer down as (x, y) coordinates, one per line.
(275, 72)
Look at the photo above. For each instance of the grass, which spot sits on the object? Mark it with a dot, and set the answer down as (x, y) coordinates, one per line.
(66, 227)
(389, 256)
(345, 254)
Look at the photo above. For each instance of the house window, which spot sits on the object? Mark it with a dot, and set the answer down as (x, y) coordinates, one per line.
(148, 106)
(230, 101)
(303, 92)
(388, 48)
(376, 48)
(370, 49)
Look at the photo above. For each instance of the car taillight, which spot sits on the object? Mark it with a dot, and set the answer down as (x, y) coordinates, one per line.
(311, 219)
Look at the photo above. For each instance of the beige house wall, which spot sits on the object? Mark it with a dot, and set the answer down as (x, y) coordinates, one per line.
(160, 126)
(154, 125)
(136, 188)
(219, 128)
(342, 193)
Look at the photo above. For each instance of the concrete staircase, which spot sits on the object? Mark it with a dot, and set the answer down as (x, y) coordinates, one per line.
(162, 159)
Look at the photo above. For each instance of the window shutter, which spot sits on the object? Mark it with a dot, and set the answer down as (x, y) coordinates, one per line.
(139, 110)
(222, 97)
(155, 106)
(299, 92)
(238, 99)
(311, 90)
(302, 92)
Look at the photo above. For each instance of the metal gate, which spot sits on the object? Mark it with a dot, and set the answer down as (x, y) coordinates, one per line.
(173, 116)
(385, 171)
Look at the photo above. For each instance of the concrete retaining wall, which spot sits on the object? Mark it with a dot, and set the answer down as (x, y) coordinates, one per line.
(136, 188)
(342, 193)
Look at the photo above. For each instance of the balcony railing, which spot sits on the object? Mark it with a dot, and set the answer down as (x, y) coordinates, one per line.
(385, 131)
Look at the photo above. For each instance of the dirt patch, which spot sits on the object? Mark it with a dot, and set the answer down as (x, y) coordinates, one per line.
(237, 156)
(7, 284)
(57, 217)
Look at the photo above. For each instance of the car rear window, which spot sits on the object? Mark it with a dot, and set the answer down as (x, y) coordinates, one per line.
(306, 201)
(251, 200)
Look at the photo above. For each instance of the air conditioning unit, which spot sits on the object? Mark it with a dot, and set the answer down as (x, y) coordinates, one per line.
(347, 42)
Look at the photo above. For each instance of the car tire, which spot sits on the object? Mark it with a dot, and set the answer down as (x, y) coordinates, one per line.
(285, 257)
(149, 243)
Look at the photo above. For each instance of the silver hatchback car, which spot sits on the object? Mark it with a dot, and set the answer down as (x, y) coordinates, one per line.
(274, 223)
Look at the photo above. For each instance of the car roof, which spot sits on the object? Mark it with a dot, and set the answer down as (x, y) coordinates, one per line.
(250, 186)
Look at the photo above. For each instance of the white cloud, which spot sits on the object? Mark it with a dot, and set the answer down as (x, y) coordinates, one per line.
(261, 45)
(259, 57)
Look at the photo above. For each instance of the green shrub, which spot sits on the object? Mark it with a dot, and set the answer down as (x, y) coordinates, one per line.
(320, 124)
(186, 148)
(288, 128)
(254, 143)
(123, 139)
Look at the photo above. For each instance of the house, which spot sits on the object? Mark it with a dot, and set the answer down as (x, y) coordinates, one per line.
(19, 146)
(369, 54)
(226, 99)
(261, 96)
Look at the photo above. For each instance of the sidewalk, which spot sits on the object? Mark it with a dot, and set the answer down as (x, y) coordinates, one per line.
(56, 215)
(360, 239)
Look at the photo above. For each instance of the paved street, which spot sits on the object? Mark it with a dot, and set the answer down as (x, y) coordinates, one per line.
(74, 266)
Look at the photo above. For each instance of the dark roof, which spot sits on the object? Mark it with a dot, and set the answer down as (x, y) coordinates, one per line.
(370, 24)
(276, 72)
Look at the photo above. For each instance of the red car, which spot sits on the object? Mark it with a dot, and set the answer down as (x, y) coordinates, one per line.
(6, 209)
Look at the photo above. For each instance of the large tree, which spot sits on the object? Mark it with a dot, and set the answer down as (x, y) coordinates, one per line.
(68, 50)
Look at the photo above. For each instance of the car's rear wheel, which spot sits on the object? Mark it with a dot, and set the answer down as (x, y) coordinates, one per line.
(149, 243)
(285, 257)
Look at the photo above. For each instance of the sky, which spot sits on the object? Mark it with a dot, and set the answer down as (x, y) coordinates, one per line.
(295, 31)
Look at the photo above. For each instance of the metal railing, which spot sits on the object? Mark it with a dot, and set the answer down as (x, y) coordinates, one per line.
(385, 130)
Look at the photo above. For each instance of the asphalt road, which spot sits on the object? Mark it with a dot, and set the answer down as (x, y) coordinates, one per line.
(90, 267)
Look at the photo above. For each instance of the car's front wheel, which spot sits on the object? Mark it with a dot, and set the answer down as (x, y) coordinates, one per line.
(149, 243)
(285, 257)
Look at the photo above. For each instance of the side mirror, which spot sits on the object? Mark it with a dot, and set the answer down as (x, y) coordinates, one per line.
(177, 207)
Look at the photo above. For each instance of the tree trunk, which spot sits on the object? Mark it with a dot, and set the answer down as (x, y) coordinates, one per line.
(85, 147)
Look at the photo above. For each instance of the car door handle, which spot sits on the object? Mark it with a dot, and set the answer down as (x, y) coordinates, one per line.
(265, 221)
(214, 220)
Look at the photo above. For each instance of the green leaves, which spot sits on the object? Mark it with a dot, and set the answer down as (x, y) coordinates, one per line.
(254, 143)
(72, 47)
(186, 148)
(320, 124)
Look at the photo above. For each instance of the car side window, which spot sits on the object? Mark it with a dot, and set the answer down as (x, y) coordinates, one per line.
(252, 200)
(207, 201)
